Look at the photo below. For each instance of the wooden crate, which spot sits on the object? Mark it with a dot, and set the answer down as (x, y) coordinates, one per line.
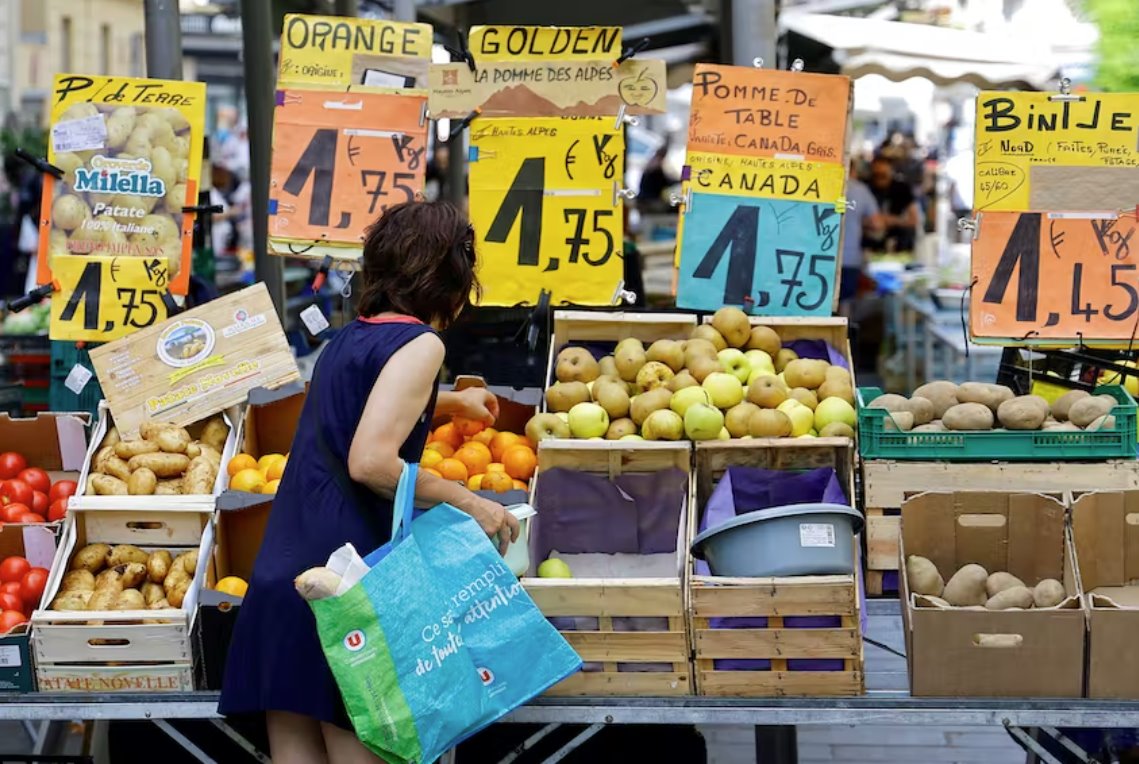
(886, 484)
(132, 650)
(607, 599)
(773, 598)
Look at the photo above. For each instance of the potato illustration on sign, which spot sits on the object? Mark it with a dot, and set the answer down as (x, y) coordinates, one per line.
(639, 90)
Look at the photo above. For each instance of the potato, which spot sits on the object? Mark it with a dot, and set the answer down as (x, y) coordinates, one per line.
(936, 426)
(77, 581)
(317, 583)
(129, 599)
(152, 592)
(1107, 421)
(111, 438)
(160, 604)
(173, 440)
(890, 402)
(121, 554)
(76, 599)
(103, 599)
(111, 578)
(150, 430)
(991, 396)
(215, 433)
(967, 586)
(176, 595)
(998, 582)
(942, 394)
(1065, 402)
(133, 575)
(189, 562)
(211, 454)
(158, 565)
(922, 409)
(142, 482)
(900, 420)
(162, 465)
(125, 449)
(1048, 593)
(176, 576)
(923, 576)
(200, 477)
(1086, 410)
(108, 485)
(936, 601)
(116, 467)
(968, 416)
(1013, 597)
(100, 459)
(91, 558)
(1021, 413)
(169, 487)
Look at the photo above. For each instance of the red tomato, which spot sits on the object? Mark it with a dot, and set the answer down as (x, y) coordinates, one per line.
(13, 588)
(30, 517)
(36, 478)
(16, 491)
(11, 602)
(10, 464)
(12, 569)
(9, 512)
(57, 510)
(40, 502)
(32, 586)
(61, 489)
(10, 619)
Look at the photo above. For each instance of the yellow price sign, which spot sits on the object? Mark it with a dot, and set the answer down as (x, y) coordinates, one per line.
(520, 43)
(104, 298)
(336, 52)
(545, 208)
(765, 177)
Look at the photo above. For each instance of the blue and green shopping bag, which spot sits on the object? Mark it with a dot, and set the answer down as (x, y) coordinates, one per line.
(438, 639)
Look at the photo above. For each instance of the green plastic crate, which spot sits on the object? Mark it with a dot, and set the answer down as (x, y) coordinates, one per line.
(876, 442)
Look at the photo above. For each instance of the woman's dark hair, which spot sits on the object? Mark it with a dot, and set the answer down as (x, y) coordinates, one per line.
(419, 259)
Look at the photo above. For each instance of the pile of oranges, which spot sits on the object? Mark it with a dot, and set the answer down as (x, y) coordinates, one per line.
(248, 473)
(481, 457)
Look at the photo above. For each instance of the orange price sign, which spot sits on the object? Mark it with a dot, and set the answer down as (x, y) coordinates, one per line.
(339, 160)
(1049, 277)
(765, 112)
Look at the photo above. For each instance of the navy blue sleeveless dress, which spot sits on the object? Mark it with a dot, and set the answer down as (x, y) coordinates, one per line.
(275, 661)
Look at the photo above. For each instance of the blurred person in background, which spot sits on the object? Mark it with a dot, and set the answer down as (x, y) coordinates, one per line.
(862, 220)
(655, 180)
(898, 206)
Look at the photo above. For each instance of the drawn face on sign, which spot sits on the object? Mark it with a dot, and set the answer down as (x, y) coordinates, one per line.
(639, 90)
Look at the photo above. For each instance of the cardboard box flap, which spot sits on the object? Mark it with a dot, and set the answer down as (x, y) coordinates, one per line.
(56, 442)
(1105, 529)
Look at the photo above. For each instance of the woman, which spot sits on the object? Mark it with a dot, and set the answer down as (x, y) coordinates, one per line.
(369, 409)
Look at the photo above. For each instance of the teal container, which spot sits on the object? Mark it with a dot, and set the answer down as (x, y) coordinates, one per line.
(64, 355)
(1118, 442)
(16, 671)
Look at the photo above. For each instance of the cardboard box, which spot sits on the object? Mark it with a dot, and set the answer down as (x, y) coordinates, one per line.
(515, 404)
(963, 652)
(56, 442)
(37, 543)
(1105, 536)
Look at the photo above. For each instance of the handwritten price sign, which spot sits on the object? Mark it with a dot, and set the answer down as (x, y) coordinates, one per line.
(339, 160)
(1043, 277)
(104, 298)
(771, 257)
(545, 209)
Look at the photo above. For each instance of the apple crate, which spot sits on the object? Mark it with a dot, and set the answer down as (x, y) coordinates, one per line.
(83, 500)
(619, 661)
(128, 650)
(782, 651)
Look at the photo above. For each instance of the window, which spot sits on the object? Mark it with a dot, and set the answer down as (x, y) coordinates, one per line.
(65, 44)
(138, 50)
(105, 49)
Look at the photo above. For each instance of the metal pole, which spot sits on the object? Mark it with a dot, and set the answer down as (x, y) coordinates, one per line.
(257, 34)
(163, 39)
(456, 182)
(346, 7)
(754, 34)
(403, 10)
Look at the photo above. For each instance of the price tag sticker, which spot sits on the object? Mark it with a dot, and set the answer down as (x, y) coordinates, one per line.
(1047, 276)
(545, 209)
(314, 320)
(104, 298)
(78, 378)
(770, 257)
(10, 656)
(84, 134)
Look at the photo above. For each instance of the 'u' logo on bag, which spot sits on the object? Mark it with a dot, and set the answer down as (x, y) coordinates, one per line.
(354, 641)
(486, 675)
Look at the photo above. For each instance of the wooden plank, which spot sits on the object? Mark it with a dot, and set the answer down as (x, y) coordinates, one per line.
(606, 597)
(768, 684)
(590, 326)
(777, 643)
(882, 541)
(629, 646)
(779, 597)
(79, 643)
(788, 454)
(170, 678)
(612, 458)
(637, 683)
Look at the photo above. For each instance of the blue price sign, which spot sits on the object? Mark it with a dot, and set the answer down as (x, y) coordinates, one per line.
(770, 257)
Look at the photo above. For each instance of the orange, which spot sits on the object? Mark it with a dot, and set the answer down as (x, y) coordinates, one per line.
(276, 470)
(501, 442)
(430, 458)
(520, 462)
(496, 467)
(474, 482)
(268, 460)
(475, 455)
(249, 480)
(467, 427)
(520, 485)
(271, 486)
(499, 482)
(241, 462)
(233, 586)
(528, 443)
(453, 469)
(448, 434)
(434, 472)
(444, 448)
(485, 436)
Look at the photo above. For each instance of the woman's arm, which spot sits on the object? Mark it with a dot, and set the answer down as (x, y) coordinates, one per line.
(397, 400)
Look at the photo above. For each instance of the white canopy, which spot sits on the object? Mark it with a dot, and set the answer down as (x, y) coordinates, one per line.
(942, 55)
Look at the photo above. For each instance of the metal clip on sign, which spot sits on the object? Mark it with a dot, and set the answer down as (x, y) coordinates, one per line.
(683, 199)
(1065, 93)
(622, 296)
(622, 193)
(797, 65)
(461, 52)
(624, 119)
(970, 224)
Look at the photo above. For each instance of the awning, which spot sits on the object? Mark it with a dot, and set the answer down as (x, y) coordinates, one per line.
(942, 55)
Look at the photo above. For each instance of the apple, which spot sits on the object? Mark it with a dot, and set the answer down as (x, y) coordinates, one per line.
(724, 434)
(734, 363)
(726, 389)
(630, 437)
(588, 420)
(654, 374)
(563, 416)
(663, 424)
(766, 391)
(703, 421)
(686, 397)
(832, 410)
(802, 418)
(542, 426)
(759, 359)
(554, 568)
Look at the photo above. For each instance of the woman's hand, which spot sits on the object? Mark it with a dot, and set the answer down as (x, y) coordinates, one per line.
(493, 518)
(476, 403)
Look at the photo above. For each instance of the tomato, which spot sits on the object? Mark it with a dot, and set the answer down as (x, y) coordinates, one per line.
(9, 512)
(40, 502)
(57, 510)
(13, 588)
(30, 517)
(36, 478)
(10, 601)
(15, 491)
(32, 586)
(61, 489)
(10, 465)
(10, 619)
(12, 569)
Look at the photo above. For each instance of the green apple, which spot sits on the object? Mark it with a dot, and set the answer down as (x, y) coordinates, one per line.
(703, 421)
(687, 396)
(630, 437)
(724, 434)
(834, 410)
(735, 363)
(554, 568)
(588, 420)
(663, 424)
(725, 389)
(802, 419)
(759, 359)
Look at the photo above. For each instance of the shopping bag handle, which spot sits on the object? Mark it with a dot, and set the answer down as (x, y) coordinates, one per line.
(404, 502)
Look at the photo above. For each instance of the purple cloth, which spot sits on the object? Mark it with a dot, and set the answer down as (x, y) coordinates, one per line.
(820, 349)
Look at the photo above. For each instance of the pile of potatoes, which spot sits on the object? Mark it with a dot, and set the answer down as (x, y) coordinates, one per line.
(124, 577)
(942, 406)
(973, 586)
(165, 461)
